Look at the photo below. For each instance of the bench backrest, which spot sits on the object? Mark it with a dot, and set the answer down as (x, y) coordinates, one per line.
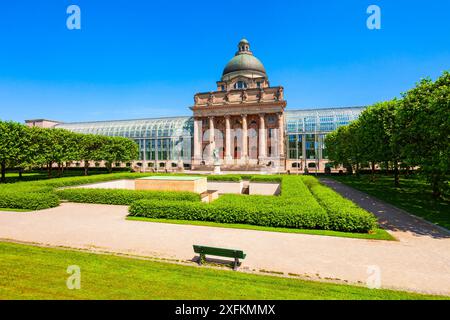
(221, 252)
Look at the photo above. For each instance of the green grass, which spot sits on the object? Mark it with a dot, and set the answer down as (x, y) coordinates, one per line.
(414, 196)
(378, 234)
(28, 272)
(15, 210)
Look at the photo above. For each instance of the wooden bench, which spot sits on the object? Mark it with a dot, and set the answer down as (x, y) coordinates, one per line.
(220, 252)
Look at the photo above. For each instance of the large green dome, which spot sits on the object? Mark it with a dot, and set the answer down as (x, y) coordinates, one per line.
(244, 62)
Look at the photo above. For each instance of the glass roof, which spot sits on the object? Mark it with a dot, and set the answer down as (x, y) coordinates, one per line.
(297, 121)
(319, 120)
(139, 128)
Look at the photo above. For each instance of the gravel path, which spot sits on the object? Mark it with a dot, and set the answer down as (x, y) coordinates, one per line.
(419, 261)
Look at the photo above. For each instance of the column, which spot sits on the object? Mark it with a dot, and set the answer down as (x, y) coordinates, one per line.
(197, 140)
(212, 144)
(227, 139)
(281, 135)
(262, 138)
(244, 151)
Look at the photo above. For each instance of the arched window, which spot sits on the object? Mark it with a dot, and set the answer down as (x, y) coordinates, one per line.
(240, 85)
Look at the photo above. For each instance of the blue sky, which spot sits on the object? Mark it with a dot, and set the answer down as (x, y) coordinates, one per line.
(137, 59)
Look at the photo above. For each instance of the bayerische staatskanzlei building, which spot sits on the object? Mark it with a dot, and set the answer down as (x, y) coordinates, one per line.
(243, 125)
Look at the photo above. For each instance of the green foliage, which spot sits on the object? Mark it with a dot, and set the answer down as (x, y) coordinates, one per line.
(32, 201)
(259, 178)
(225, 177)
(122, 197)
(22, 147)
(413, 132)
(344, 215)
(295, 208)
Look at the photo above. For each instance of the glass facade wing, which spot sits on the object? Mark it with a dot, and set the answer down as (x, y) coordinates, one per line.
(306, 130)
(156, 138)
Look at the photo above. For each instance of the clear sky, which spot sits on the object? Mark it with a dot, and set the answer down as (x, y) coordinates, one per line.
(138, 59)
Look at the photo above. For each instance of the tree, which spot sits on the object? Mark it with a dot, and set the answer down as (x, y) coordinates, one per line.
(13, 142)
(118, 149)
(91, 149)
(424, 130)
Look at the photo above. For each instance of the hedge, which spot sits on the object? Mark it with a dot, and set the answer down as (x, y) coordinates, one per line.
(297, 207)
(268, 179)
(31, 201)
(301, 211)
(269, 215)
(344, 215)
(122, 197)
(225, 177)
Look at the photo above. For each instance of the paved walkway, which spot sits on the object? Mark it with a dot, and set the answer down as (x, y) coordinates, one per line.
(419, 261)
(389, 217)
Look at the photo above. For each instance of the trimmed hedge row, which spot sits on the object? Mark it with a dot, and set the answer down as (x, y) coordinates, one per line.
(276, 179)
(122, 197)
(225, 177)
(344, 215)
(31, 201)
(301, 211)
(39, 194)
(299, 206)
(269, 215)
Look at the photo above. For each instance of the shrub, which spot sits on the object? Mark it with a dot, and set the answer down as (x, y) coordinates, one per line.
(301, 211)
(32, 201)
(344, 215)
(122, 197)
(225, 177)
(271, 216)
(276, 179)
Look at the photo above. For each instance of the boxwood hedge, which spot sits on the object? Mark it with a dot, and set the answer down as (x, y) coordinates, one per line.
(296, 207)
(122, 197)
(32, 201)
(344, 215)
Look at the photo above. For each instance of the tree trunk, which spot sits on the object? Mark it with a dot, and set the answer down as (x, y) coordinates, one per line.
(59, 170)
(3, 165)
(373, 171)
(20, 173)
(86, 168)
(386, 163)
(396, 174)
(49, 169)
(435, 186)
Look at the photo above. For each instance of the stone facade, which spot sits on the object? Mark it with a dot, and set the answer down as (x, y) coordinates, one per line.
(243, 120)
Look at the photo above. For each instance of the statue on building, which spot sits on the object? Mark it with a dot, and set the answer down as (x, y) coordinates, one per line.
(260, 95)
(196, 99)
(279, 94)
(226, 98)
(211, 99)
(244, 96)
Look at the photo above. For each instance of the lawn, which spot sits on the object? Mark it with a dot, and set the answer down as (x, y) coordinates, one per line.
(28, 272)
(414, 195)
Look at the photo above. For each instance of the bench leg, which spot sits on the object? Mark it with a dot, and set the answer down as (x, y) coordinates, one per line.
(200, 259)
(236, 264)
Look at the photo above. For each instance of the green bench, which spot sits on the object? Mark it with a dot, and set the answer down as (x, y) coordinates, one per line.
(220, 252)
